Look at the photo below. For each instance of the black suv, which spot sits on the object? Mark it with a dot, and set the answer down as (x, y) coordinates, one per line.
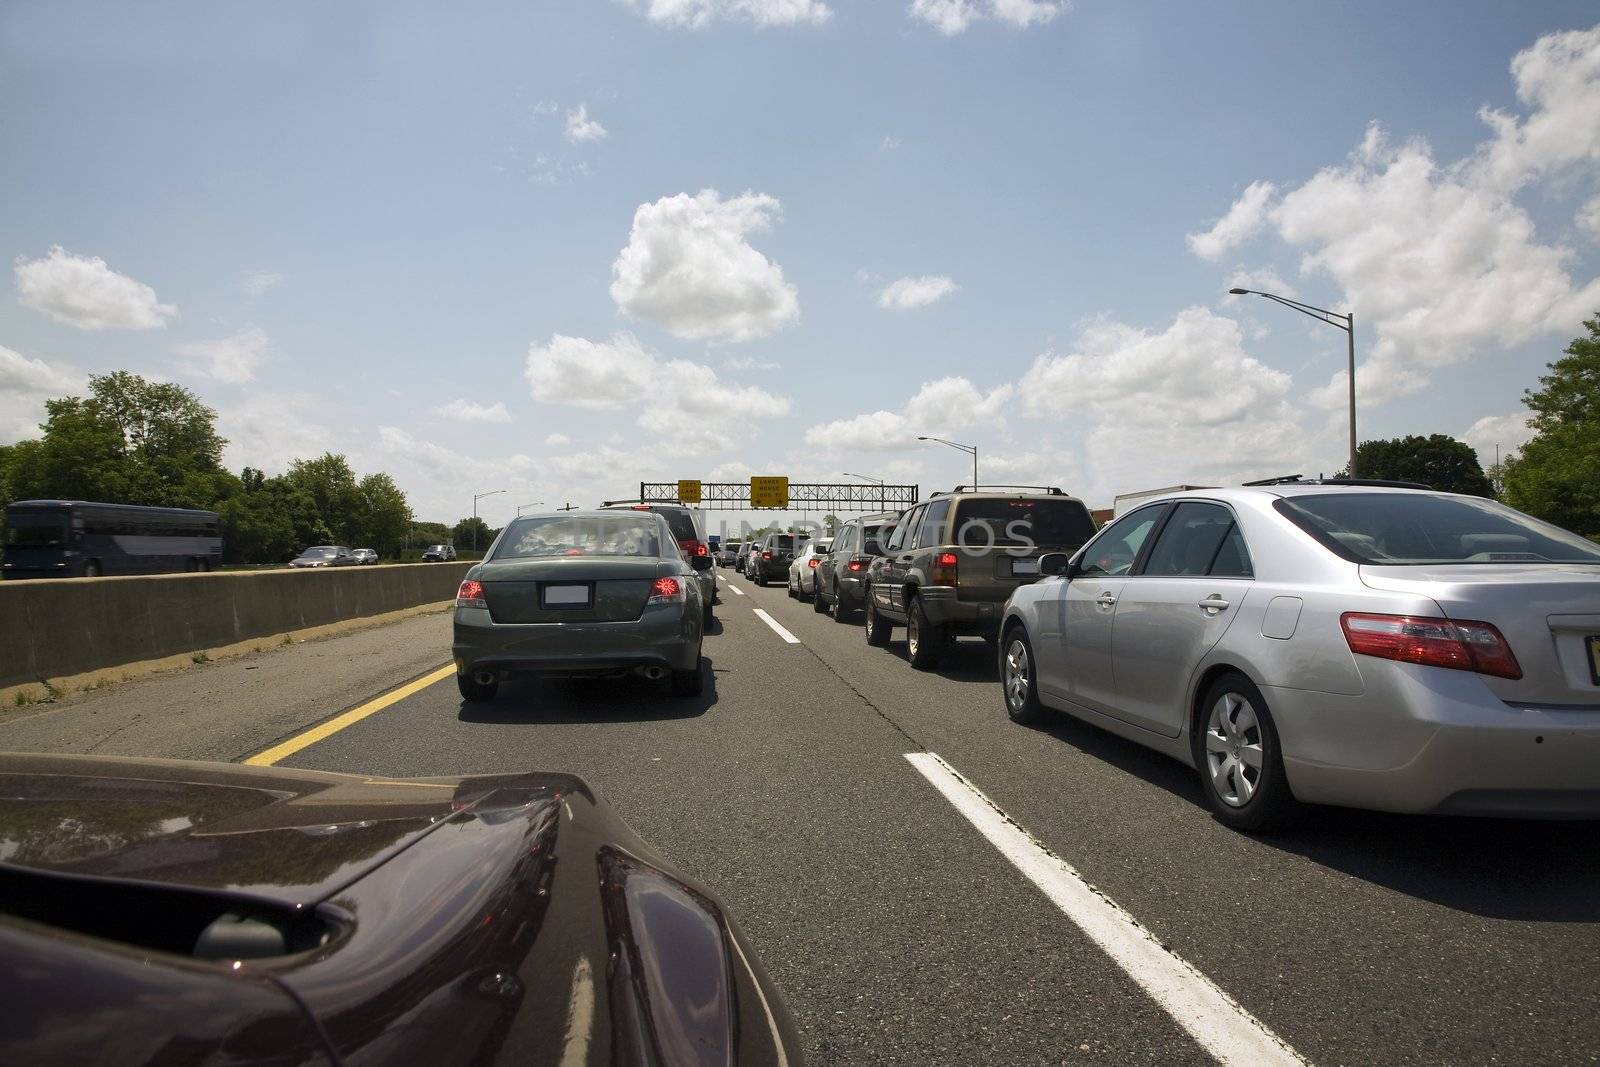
(954, 559)
(770, 558)
(842, 574)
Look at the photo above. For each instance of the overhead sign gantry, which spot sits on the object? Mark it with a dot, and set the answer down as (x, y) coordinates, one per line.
(779, 493)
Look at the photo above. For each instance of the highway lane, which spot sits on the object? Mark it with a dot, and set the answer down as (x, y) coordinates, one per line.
(896, 931)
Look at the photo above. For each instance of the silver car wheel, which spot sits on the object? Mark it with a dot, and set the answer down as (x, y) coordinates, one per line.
(1234, 757)
(913, 634)
(1016, 679)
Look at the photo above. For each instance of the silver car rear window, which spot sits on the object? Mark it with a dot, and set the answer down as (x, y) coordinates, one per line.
(1404, 529)
(624, 534)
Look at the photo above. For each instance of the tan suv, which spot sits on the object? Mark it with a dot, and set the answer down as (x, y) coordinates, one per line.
(954, 559)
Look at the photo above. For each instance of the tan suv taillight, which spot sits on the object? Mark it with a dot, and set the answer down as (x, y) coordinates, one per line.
(944, 569)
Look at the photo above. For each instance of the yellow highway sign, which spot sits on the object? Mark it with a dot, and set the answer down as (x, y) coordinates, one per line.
(769, 492)
(689, 490)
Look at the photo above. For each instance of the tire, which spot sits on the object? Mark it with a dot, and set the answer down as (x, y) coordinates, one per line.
(689, 683)
(878, 628)
(761, 579)
(1233, 722)
(1019, 682)
(92, 569)
(819, 603)
(205, 566)
(474, 693)
(706, 617)
(841, 611)
(924, 641)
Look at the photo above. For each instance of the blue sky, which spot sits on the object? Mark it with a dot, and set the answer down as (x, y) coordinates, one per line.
(389, 230)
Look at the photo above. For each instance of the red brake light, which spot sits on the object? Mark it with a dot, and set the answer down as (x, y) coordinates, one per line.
(766, 555)
(470, 595)
(693, 547)
(666, 589)
(944, 569)
(855, 565)
(1457, 644)
(812, 562)
(640, 507)
(947, 559)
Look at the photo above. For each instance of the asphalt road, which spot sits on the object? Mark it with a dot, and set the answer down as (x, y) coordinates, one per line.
(896, 931)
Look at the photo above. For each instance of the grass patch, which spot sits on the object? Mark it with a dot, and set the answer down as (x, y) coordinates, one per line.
(199, 657)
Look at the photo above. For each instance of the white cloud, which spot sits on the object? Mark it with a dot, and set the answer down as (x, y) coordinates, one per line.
(1589, 219)
(580, 127)
(939, 407)
(227, 359)
(889, 143)
(1247, 215)
(951, 17)
(749, 363)
(698, 13)
(259, 282)
(557, 440)
(689, 269)
(908, 293)
(1507, 432)
(82, 291)
(467, 411)
(1438, 261)
(25, 384)
(684, 402)
(269, 431)
(1558, 81)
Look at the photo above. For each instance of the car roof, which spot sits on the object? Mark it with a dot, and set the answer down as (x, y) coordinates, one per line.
(1247, 493)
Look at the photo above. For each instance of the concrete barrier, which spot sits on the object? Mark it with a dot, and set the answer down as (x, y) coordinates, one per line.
(51, 628)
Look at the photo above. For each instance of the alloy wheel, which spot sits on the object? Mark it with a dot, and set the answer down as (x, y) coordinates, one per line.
(1017, 673)
(913, 634)
(1234, 756)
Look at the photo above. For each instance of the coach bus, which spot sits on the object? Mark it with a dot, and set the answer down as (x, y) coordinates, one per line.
(77, 539)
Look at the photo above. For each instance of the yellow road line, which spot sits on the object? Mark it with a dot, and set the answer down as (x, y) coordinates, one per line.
(349, 718)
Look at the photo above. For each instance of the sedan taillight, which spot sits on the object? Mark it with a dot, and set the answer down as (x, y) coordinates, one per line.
(766, 555)
(812, 562)
(666, 590)
(470, 595)
(944, 569)
(855, 565)
(1457, 644)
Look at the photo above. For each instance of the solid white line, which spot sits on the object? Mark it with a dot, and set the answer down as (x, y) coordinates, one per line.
(1219, 1023)
(734, 591)
(779, 630)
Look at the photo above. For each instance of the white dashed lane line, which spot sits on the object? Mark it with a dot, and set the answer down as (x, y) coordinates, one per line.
(734, 591)
(777, 628)
(1219, 1023)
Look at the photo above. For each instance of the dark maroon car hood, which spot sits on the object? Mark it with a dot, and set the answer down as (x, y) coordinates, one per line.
(293, 836)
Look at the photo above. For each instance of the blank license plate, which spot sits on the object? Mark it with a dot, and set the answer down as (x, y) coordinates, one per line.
(566, 596)
(1025, 566)
(1594, 659)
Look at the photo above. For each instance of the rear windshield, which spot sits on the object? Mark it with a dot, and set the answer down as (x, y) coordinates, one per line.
(1402, 529)
(681, 522)
(626, 534)
(35, 531)
(878, 532)
(1029, 523)
(784, 542)
(325, 551)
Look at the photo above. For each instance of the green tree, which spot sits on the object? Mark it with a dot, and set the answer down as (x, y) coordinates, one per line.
(1557, 475)
(1438, 460)
(385, 514)
(462, 536)
(331, 485)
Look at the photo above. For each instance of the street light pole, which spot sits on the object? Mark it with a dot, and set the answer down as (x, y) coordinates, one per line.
(475, 500)
(535, 504)
(863, 477)
(1347, 323)
(970, 449)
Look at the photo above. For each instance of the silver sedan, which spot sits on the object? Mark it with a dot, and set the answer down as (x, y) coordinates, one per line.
(1382, 648)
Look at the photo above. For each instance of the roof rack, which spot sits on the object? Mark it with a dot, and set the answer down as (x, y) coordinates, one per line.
(642, 500)
(1379, 483)
(1052, 490)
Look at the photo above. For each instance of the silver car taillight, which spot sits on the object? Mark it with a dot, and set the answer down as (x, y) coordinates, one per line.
(1457, 644)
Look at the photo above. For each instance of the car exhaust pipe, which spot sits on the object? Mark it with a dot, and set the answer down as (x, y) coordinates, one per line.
(655, 674)
(485, 677)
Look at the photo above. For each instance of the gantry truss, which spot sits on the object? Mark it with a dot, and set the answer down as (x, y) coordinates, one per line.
(803, 496)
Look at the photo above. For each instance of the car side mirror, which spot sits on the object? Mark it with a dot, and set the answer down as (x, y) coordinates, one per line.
(1055, 565)
(700, 563)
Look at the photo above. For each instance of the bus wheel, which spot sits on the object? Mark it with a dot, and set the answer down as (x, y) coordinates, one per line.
(203, 566)
(92, 569)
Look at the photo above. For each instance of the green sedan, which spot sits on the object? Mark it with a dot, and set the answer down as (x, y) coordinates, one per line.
(581, 593)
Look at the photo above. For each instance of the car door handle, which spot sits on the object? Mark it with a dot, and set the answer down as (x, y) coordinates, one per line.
(903, 559)
(1105, 600)
(1213, 604)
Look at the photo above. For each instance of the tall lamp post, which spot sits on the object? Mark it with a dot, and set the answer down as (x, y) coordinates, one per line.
(1347, 323)
(971, 450)
(475, 500)
(863, 477)
(535, 504)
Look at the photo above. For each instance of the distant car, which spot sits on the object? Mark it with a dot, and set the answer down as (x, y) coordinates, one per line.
(954, 559)
(803, 571)
(325, 556)
(438, 554)
(364, 556)
(582, 593)
(770, 557)
(741, 559)
(165, 911)
(1332, 643)
(728, 554)
(688, 527)
(842, 573)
